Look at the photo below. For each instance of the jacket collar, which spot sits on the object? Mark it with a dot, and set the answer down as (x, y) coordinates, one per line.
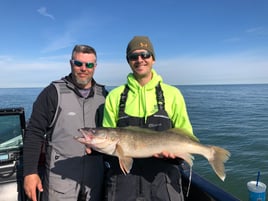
(134, 85)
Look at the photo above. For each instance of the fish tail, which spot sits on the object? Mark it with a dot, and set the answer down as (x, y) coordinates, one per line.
(220, 156)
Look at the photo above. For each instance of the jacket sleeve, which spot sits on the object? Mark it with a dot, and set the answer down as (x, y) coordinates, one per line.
(42, 115)
(111, 107)
(110, 114)
(179, 114)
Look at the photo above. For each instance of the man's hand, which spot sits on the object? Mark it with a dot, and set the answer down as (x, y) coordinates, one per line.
(165, 154)
(31, 183)
(88, 150)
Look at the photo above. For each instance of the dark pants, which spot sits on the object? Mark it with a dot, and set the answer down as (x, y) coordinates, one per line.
(150, 179)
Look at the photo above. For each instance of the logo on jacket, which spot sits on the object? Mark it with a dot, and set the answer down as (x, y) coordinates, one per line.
(71, 113)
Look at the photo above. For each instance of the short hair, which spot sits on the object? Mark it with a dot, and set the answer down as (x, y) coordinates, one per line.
(84, 49)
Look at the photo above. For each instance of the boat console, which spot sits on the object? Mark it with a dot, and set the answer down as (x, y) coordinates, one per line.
(12, 127)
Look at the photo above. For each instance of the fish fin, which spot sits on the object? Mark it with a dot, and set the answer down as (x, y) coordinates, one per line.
(187, 157)
(184, 132)
(124, 162)
(220, 156)
(137, 129)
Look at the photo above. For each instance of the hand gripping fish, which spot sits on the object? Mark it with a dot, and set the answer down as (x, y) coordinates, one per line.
(133, 142)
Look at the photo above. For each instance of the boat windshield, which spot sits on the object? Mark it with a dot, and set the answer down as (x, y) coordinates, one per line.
(10, 132)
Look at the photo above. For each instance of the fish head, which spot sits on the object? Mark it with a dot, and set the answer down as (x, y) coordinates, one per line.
(102, 140)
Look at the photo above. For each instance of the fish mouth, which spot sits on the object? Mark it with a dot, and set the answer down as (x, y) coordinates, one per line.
(87, 134)
(82, 131)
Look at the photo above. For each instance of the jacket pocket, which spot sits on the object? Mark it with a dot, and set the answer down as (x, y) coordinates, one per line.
(61, 185)
(64, 173)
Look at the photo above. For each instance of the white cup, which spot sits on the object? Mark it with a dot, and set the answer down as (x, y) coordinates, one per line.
(256, 193)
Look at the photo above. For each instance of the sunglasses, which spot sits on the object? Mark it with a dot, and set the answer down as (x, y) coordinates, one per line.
(79, 64)
(135, 56)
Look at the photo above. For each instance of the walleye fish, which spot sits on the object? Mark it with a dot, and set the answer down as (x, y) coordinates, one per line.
(133, 142)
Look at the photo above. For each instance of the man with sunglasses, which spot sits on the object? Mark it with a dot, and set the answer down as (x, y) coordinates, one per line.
(75, 101)
(145, 101)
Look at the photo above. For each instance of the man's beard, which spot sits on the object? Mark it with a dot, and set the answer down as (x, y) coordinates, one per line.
(81, 82)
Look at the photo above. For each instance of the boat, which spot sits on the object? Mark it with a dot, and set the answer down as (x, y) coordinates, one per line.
(197, 188)
(12, 128)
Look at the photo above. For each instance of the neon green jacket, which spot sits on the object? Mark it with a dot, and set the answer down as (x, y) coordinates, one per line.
(141, 102)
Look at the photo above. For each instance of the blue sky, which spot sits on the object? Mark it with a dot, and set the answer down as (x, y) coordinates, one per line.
(196, 41)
